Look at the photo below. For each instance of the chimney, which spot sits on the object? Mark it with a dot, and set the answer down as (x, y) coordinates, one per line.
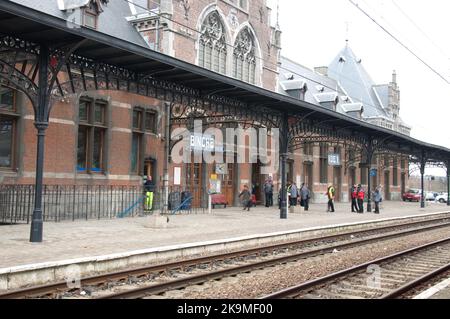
(323, 70)
(394, 77)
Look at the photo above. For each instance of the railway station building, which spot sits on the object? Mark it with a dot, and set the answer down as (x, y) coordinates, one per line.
(114, 132)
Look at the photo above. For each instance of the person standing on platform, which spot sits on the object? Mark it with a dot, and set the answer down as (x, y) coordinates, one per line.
(330, 193)
(294, 195)
(305, 195)
(149, 188)
(355, 208)
(377, 198)
(246, 198)
(360, 195)
(268, 192)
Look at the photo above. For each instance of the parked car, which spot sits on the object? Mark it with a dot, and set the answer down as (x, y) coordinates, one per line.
(431, 196)
(412, 195)
(442, 198)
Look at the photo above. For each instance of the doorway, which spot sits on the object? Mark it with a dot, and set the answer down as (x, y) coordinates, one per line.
(150, 169)
(257, 182)
(308, 176)
(194, 182)
(228, 182)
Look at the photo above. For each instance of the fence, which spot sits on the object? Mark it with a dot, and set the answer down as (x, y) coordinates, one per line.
(75, 202)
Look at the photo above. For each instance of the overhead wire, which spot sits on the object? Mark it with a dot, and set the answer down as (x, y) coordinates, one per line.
(399, 42)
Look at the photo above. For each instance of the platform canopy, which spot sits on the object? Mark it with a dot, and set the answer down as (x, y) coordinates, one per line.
(36, 26)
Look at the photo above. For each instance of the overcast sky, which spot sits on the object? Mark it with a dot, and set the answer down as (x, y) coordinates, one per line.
(315, 31)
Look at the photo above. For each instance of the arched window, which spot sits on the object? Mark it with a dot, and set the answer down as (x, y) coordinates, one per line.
(244, 57)
(213, 48)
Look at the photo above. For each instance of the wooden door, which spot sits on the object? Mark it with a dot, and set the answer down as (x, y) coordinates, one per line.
(194, 182)
(228, 188)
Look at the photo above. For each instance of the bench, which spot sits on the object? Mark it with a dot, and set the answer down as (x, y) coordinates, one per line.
(218, 199)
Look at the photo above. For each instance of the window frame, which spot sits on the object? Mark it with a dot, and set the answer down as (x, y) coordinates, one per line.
(323, 163)
(14, 116)
(91, 127)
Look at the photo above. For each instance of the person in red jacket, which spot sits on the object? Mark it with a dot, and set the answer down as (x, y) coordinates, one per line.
(354, 191)
(360, 195)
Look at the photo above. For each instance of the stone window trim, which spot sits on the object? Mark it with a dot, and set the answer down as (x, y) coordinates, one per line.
(91, 124)
(213, 50)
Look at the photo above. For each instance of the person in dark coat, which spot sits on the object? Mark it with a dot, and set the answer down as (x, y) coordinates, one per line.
(354, 192)
(268, 192)
(246, 198)
(305, 195)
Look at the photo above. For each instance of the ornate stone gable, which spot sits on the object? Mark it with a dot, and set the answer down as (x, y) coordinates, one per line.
(213, 32)
(245, 46)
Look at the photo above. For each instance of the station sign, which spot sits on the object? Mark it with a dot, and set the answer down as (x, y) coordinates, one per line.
(202, 142)
(334, 159)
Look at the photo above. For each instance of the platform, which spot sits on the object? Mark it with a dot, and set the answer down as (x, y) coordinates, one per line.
(69, 240)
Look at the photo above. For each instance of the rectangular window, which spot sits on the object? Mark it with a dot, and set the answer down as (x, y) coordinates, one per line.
(90, 19)
(150, 122)
(135, 152)
(99, 114)
(7, 97)
(137, 119)
(91, 136)
(8, 124)
(6, 141)
(82, 148)
(323, 163)
(395, 172)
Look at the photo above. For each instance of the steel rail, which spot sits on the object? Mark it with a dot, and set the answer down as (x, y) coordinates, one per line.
(416, 283)
(193, 280)
(294, 291)
(142, 271)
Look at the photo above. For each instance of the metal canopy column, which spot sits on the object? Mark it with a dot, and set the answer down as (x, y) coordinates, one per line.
(370, 151)
(284, 140)
(41, 124)
(423, 163)
(448, 182)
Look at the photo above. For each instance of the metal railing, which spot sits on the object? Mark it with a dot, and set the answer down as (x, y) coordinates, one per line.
(75, 202)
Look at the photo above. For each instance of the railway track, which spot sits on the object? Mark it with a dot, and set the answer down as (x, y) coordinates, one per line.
(385, 278)
(269, 256)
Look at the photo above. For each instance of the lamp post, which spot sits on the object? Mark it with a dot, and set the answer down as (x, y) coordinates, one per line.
(41, 124)
(284, 136)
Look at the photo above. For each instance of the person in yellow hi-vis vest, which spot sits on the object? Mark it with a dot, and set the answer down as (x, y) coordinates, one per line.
(330, 193)
(149, 188)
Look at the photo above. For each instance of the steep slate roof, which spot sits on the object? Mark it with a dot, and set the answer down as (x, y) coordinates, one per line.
(111, 21)
(320, 88)
(348, 70)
